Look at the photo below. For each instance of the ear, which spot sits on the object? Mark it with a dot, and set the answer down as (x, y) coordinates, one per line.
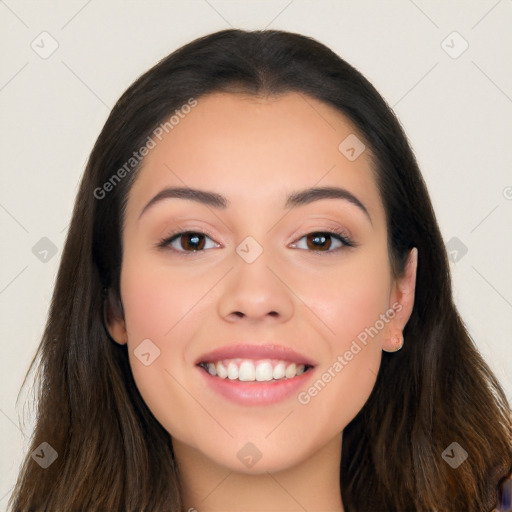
(402, 301)
(113, 318)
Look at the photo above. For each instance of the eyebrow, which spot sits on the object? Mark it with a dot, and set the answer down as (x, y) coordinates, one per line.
(300, 198)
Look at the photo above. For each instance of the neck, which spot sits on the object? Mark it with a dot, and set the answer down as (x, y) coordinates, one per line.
(313, 484)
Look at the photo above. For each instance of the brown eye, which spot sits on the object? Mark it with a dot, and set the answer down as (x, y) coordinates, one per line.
(190, 241)
(320, 241)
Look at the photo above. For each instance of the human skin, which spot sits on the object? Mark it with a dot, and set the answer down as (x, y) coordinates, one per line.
(255, 152)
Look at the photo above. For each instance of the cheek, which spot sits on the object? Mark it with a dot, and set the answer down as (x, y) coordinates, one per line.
(163, 305)
(346, 376)
(156, 297)
(351, 300)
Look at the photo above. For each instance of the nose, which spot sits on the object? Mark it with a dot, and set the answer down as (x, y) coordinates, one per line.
(256, 292)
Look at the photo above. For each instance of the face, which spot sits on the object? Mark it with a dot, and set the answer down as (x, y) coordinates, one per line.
(261, 283)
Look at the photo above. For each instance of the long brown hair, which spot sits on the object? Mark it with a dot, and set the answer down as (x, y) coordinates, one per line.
(112, 452)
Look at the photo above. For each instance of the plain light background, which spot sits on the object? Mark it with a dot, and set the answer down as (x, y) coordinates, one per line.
(455, 104)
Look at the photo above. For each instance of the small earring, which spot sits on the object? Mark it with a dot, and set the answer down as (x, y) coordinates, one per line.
(398, 342)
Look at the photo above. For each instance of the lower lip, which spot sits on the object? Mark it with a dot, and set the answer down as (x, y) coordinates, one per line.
(256, 393)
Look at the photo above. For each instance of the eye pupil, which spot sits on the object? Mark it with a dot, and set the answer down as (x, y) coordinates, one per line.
(195, 237)
(319, 238)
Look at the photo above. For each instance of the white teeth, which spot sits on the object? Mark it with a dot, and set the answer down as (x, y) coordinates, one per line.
(221, 370)
(263, 371)
(279, 371)
(291, 371)
(247, 370)
(232, 371)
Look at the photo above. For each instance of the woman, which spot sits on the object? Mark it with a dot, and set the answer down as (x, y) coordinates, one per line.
(253, 309)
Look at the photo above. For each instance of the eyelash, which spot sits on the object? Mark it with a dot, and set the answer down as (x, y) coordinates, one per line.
(339, 235)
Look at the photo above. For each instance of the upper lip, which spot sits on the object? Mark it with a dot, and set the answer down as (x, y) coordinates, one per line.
(251, 351)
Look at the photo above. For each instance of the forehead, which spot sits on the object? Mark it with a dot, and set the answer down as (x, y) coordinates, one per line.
(257, 149)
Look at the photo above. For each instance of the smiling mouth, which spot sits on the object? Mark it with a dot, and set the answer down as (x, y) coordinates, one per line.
(251, 370)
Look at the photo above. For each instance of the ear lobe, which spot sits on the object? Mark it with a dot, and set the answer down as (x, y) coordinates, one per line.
(113, 318)
(403, 295)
